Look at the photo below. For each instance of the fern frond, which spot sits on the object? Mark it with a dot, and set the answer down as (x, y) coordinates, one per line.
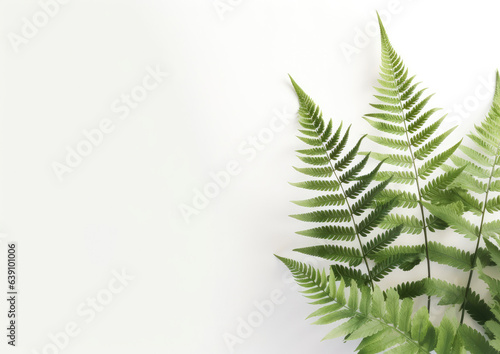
(408, 125)
(311, 152)
(362, 183)
(355, 190)
(385, 116)
(479, 176)
(337, 150)
(381, 322)
(420, 121)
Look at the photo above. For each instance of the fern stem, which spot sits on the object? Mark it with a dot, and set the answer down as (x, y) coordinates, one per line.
(474, 257)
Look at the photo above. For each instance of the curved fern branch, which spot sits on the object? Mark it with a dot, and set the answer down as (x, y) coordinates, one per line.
(384, 323)
(349, 193)
(402, 114)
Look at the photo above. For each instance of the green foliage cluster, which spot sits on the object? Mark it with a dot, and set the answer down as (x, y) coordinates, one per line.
(366, 212)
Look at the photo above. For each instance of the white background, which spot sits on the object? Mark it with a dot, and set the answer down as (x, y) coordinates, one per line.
(119, 209)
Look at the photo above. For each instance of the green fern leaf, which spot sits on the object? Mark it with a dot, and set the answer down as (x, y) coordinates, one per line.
(382, 322)
(356, 193)
(493, 204)
(334, 253)
(411, 289)
(419, 123)
(392, 159)
(370, 222)
(452, 294)
(477, 157)
(470, 167)
(352, 173)
(367, 199)
(330, 232)
(403, 177)
(474, 341)
(491, 229)
(319, 185)
(324, 200)
(392, 143)
(349, 157)
(381, 269)
(363, 182)
(403, 199)
(425, 133)
(316, 171)
(411, 224)
(349, 274)
(427, 149)
(423, 331)
(439, 183)
(315, 160)
(335, 153)
(451, 256)
(452, 216)
(386, 127)
(333, 215)
(312, 152)
(382, 241)
(427, 168)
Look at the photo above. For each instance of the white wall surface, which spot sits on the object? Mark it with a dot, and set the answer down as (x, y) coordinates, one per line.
(119, 208)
